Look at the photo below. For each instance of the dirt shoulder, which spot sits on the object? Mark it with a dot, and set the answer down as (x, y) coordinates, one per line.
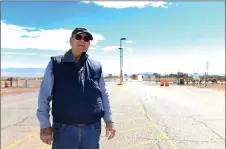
(217, 87)
(12, 91)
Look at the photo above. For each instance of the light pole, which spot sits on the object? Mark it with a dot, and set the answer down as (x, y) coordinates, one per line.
(121, 60)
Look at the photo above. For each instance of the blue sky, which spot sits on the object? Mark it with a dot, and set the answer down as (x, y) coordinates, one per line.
(161, 36)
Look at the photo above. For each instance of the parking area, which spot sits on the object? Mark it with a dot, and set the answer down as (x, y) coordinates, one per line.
(146, 116)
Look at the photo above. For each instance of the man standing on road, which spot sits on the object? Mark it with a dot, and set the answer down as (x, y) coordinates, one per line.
(75, 85)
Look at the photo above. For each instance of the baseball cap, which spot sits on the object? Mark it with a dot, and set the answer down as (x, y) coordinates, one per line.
(80, 30)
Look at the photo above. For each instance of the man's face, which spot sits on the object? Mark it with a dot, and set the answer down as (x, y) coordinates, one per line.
(80, 42)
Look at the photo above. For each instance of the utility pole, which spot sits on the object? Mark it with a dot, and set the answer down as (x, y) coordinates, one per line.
(206, 74)
(121, 72)
(121, 61)
(207, 67)
(178, 78)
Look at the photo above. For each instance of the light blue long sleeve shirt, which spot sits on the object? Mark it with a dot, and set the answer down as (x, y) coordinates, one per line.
(45, 92)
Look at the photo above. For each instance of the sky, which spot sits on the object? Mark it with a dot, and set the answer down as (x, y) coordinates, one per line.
(161, 37)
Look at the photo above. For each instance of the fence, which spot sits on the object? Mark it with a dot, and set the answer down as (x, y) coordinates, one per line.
(17, 82)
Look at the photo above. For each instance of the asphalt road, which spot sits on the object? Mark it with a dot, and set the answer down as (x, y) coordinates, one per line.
(146, 116)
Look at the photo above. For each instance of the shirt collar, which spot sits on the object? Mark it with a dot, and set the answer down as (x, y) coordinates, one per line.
(69, 57)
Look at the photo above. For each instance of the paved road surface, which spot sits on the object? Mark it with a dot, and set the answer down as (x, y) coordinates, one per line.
(147, 116)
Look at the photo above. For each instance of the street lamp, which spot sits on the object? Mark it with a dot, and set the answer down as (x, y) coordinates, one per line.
(121, 60)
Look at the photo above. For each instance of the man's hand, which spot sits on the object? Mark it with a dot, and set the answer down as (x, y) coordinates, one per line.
(110, 130)
(46, 135)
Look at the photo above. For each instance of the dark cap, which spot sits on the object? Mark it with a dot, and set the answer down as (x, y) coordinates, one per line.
(80, 30)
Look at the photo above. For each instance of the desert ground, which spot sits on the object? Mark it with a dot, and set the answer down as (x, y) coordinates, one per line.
(33, 85)
(19, 87)
(146, 116)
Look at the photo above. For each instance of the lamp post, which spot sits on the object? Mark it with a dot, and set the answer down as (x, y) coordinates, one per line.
(121, 61)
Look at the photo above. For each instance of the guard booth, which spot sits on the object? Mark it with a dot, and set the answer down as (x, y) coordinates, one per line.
(125, 78)
(140, 78)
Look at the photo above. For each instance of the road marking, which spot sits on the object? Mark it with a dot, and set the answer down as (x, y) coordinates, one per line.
(142, 110)
(131, 119)
(15, 143)
(127, 113)
(134, 129)
(169, 141)
(44, 147)
(122, 131)
(141, 143)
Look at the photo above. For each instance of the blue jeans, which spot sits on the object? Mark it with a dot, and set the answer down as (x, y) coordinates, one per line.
(72, 137)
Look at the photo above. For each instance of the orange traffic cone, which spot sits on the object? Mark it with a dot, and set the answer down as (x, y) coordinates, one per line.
(166, 83)
(162, 83)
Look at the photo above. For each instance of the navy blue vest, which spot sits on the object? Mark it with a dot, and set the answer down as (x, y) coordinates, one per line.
(76, 96)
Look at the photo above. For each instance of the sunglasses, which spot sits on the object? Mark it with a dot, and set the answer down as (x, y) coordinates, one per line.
(80, 37)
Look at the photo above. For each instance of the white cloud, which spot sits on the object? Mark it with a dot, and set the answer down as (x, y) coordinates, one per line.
(110, 48)
(186, 60)
(26, 54)
(20, 37)
(127, 4)
(130, 41)
(129, 50)
(18, 53)
(92, 48)
(23, 65)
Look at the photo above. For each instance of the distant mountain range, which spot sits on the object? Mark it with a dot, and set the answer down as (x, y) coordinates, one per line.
(39, 72)
(22, 72)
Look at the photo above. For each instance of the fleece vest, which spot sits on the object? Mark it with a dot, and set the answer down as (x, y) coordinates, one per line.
(76, 96)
